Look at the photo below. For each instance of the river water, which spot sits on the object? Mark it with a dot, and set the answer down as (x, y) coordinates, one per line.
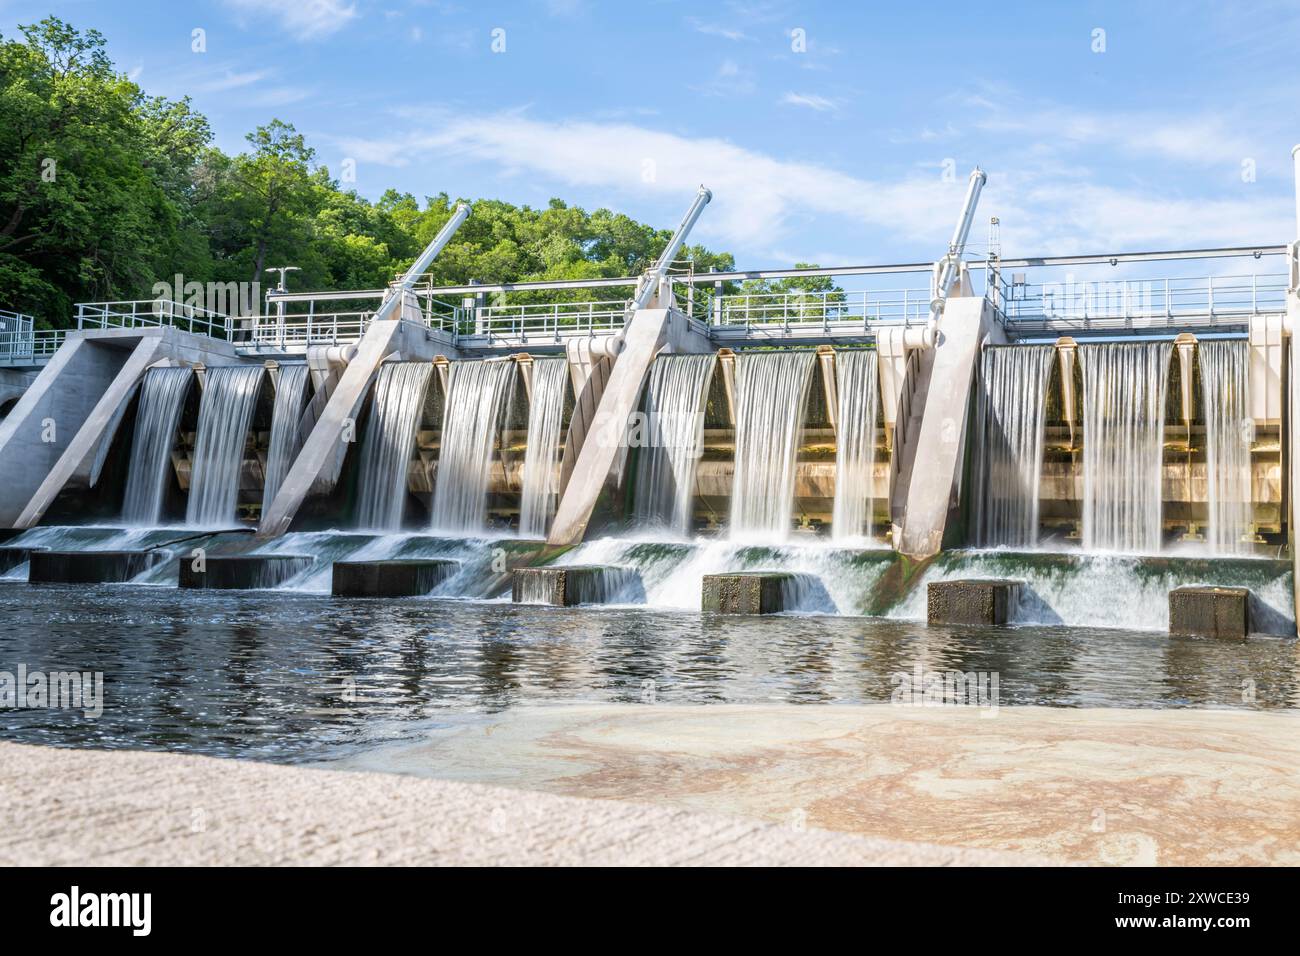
(295, 676)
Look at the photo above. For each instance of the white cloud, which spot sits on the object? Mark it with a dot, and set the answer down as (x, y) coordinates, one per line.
(761, 201)
(280, 96)
(232, 81)
(712, 29)
(1206, 139)
(304, 19)
(731, 79)
(754, 194)
(810, 101)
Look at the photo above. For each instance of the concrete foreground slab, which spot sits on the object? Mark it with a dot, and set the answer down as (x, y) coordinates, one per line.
(132, 808)
(1084, 785)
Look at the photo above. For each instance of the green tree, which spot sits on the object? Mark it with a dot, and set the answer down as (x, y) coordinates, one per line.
(93, 176)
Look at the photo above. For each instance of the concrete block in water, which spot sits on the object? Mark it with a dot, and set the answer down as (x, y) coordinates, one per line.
(1205, 611)
(576, 584)
(10, 558)
(407, 578)
(243, 572)
(987, 602)
(91, 567)
(751, 592)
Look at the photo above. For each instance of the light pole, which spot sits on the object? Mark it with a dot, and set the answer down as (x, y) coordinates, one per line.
(279, 305)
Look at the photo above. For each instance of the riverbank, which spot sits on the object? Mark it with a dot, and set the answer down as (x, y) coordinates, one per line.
(81, 807)
(1093, 786)
(678, 785)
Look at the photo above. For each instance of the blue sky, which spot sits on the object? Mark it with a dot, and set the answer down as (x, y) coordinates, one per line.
(833, 150)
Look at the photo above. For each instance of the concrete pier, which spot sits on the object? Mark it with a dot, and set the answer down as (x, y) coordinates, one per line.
(317, 466)
(91, 567)
(242, 572)
(1199, 611)
(747, 592)
(987, 602)
(576, 584)
(410, 578)
(10, 558)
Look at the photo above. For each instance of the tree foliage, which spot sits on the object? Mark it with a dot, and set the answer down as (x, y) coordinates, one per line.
(105, 191)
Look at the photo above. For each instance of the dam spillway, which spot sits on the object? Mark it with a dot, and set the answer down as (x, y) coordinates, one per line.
(1008, 457)
(477, 396)
(285, 440)
(811, 435)
(771, 390)
(396, 408)
(858, 401)
(162, 397)
(1124, 388)
(540, 490)
(1228, 434)
(225, 414)
(674, 406)
(746, 462)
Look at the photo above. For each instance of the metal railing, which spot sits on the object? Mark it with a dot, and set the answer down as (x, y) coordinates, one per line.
(326, 328)
(30, 347)
(809, 311)
(542, 321)
(15, 336)
(1203, 301)
(143, 313)
(287, 325)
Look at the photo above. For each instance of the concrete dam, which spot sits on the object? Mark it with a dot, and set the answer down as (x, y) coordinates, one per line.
(979, 440)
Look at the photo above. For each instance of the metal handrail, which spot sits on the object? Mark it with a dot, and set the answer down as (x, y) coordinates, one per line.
(325, 328)
(552, 320)
(144, 313)
(25, 347)
(805, 310)
(1142, 303)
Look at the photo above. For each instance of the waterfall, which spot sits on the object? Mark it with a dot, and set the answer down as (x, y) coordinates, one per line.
(1124, 387)
(771, 392)
(162, 399)
(1012, 400)
(470, 424)
(1228, 432)
(672, 440)
(858, 397)
(541, 489)
(225, 413)
(401, 389)
(290, 397)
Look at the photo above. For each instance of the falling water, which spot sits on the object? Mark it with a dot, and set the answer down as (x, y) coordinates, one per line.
(1228, 431)
(1009, 446)
(400, 393)
(1124, 388)
(771, 391)
(225, 412)
(290, 396)
(162, 398)
(672, 440)
(855, 443)
(476, 393)
(541, 488)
